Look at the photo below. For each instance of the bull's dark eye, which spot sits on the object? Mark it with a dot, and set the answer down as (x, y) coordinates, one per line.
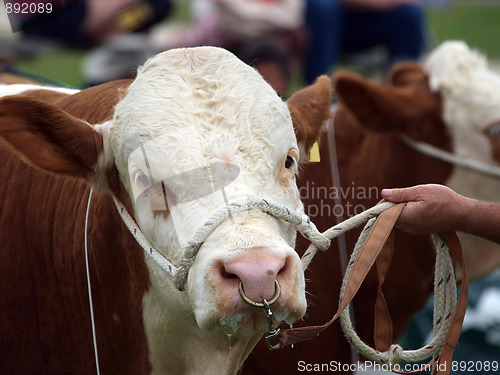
(142, 179)
(493, 131)
(288, 162)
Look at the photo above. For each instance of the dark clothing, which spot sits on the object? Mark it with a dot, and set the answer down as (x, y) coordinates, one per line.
(336, 29)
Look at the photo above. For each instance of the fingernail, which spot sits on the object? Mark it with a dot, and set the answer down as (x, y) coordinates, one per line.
(386, 193)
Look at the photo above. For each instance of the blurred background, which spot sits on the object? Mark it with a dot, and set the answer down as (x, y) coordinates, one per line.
(80, 43)
(65, 57)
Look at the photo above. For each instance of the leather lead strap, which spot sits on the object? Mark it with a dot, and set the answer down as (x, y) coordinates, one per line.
(443, 365)
(378, 248)
(363, 263)
(383, 332)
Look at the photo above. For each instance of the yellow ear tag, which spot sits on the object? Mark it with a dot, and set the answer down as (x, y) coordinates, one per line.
(314, 156)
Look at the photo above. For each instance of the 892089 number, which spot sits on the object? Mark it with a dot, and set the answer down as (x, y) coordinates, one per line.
(28, 8)
(475, 366)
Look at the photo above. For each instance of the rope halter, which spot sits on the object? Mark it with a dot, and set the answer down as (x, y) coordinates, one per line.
(301, 222)
(179, 273)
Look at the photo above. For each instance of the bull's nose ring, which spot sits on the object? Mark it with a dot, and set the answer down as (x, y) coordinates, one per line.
(277, 295)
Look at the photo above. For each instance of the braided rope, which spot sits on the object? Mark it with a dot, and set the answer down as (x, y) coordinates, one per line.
(444, 308)
(134, 229)
(302, 223)
(344, 227)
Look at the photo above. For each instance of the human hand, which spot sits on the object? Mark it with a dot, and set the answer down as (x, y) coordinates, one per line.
(429, 208)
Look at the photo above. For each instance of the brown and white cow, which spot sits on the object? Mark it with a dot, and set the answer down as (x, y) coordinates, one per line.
(186, 109)
(451, 101)
(470, 89)
(371, 156)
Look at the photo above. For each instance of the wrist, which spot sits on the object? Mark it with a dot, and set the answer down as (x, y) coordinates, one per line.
(467, 215)
(460, 215)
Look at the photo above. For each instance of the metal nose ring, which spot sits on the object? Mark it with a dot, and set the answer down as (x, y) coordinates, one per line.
(277, 295)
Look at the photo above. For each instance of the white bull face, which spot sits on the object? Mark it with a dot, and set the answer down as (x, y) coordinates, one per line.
(471, 95)
(197, 129)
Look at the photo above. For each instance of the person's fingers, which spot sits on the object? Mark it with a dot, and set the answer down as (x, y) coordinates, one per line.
(386, 194)
(397, 195)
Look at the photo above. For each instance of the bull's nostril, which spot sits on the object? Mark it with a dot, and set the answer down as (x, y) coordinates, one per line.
(256, 272)
(227, 275)
(285, 267)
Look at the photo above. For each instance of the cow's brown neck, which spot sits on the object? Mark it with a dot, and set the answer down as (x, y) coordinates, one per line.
(59, 315)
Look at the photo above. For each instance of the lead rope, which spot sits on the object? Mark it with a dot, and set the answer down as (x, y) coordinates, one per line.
(448, 314)
(334, 172)
(458, 160)
(94, 338)
(444, 306)
(445, 292)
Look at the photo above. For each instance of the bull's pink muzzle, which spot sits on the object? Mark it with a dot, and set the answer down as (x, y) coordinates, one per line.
(254, 276)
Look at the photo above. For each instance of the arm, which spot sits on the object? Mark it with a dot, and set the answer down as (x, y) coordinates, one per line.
(436, 209)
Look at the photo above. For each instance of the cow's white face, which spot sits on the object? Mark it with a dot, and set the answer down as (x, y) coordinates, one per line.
(471, 93)
(196, 129)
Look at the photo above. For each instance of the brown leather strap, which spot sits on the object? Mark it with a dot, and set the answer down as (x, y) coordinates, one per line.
(378, 247)
(372, 247)
(382, 334)
(443, 365)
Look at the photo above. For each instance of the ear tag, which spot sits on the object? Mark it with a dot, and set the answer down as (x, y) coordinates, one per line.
(314, 156)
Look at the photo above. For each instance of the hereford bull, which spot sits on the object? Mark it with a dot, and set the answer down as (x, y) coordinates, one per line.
(371, 156)
(187, 110)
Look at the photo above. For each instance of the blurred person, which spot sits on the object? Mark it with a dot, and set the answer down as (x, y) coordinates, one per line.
(267, 34)
(271, 62)
(86, 23)
(338, 27)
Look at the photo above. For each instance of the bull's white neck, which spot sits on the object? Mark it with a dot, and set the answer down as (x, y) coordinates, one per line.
(183, 348)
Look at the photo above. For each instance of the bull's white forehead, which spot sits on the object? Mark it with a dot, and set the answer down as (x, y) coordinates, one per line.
(193, 106)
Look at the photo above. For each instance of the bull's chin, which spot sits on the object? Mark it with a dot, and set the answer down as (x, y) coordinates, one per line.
(245, 324)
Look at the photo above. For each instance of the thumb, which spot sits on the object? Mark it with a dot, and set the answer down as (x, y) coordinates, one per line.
(396, 195)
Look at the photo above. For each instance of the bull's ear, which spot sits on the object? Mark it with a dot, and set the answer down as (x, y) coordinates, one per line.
(375, 106)
(48, 138)
(406, 73)
(310, 108)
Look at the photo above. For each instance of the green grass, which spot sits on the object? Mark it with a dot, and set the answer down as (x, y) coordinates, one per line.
(477, 24)
(65, 66)
(62, 66)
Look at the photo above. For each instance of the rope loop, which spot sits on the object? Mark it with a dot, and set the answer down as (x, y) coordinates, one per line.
(394, 354)
(309, 231)
(445, 300)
